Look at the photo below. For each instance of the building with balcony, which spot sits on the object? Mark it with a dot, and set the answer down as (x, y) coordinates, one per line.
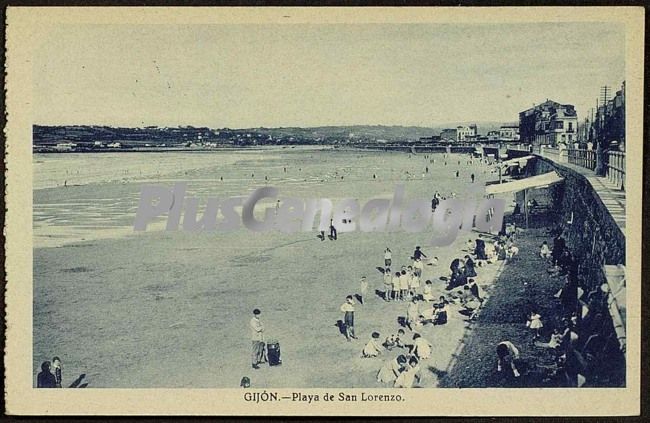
(548, 123)
(563, 127)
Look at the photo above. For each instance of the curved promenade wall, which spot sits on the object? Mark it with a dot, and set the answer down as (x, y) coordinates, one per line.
(593, 235)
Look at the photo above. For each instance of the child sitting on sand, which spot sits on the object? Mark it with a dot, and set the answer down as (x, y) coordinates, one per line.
(554, 342)
(470, 245)
(512, 251)
(442, 311)
(426, 316)
(394, 340)
(421, 347)
(410, 375)
(391, 369)
(544, 251)
(507, 353)
(372, 348)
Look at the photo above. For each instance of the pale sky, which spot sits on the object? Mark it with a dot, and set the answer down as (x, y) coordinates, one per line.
(309, 75)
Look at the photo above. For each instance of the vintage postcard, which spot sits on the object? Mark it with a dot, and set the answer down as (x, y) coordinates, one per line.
(345, 211)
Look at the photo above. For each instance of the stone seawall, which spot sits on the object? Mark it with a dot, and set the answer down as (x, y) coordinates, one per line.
(593, 235)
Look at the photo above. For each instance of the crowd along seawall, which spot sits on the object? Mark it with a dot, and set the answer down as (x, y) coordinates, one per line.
(592, 233)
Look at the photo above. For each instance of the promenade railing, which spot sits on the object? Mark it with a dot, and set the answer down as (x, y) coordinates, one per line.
(583, 158)
(556, 154)
(616, 168)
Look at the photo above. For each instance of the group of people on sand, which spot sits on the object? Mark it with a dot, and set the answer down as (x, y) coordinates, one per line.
(402, 286)
(405, 284)
(423, 308)
(50, 375)
(502, 248)
(573, 329)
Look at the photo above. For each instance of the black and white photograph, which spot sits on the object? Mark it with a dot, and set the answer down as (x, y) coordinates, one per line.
(371, 207)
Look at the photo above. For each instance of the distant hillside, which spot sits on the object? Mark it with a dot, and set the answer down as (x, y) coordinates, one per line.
(389, 133)
(364, 132)
(86, 135)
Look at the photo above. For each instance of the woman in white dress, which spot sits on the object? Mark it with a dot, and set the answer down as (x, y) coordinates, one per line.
(391, 369)
(421, 347)
(535, 323)
(427, 292)
(414, 285)
(410, 375)
(412, 313)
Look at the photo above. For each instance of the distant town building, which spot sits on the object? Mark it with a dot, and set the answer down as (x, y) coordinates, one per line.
(431, 139)
(466, 133)
(509, 133)
(65, 146)
(118, 145)
(548, 123)
(493, 136)
(449, 135)
(609, 122)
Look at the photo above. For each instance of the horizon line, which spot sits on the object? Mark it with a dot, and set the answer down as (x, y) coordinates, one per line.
(451, 125)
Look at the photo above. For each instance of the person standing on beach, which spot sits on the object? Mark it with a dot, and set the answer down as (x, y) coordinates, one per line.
(558, 248)
(418, 267)
(332, 230)
(257, 336)
(388, 284)
(45, 379)
(363, 289)
(414, 285)
(56, 365)
(396, 286)
(472, 176)
(403, 285)
(348, 317)
(412, 313)
(388, 257)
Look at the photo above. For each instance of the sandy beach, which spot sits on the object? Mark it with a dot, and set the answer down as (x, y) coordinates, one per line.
(171, 309)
